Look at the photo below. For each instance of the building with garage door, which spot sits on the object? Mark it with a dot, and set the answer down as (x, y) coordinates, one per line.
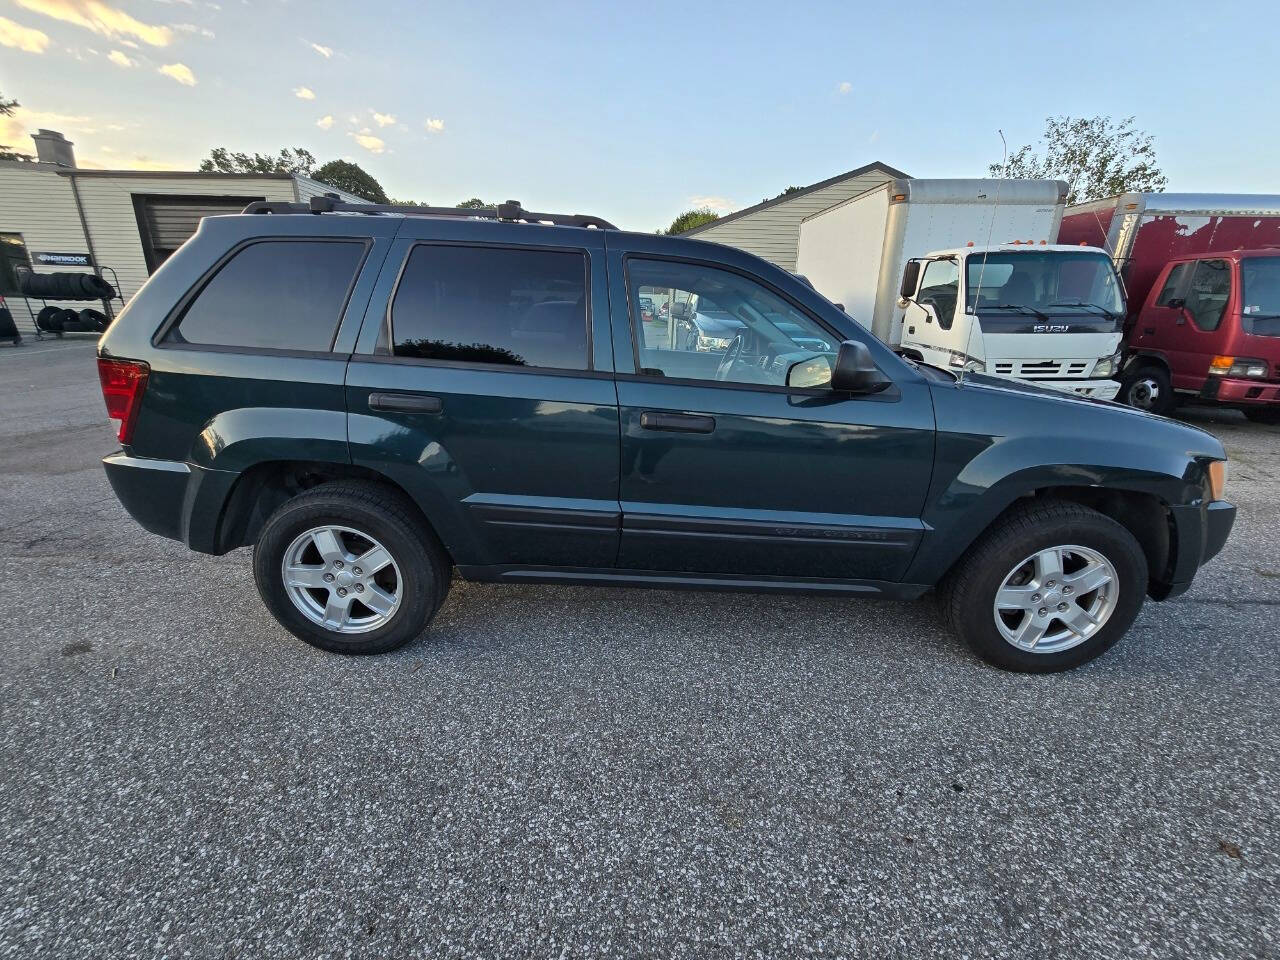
(772, 229)
(55, 216)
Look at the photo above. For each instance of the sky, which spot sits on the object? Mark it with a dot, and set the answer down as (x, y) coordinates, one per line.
(637, 111)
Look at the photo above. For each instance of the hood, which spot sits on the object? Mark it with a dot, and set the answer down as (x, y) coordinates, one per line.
(718, 324)
(1114, 416)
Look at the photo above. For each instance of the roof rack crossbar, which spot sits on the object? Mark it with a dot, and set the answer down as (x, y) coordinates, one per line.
(511, 211)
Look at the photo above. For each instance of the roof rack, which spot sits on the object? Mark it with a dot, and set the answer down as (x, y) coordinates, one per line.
(509, 211)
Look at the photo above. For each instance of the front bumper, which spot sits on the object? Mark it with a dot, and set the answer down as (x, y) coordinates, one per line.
(1200, 532)
(1097, 388)
(1240, 392)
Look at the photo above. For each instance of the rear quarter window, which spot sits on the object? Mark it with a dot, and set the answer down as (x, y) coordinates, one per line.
(274, 295)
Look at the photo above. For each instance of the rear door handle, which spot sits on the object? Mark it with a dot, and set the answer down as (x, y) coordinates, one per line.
(677, 422)
(405, 403)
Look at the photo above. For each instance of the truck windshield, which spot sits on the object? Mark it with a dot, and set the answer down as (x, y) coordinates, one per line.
(1051, 283)
(1260, 310)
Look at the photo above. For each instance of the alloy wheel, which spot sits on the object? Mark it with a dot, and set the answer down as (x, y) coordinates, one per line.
(1056, 599)
(342, 579)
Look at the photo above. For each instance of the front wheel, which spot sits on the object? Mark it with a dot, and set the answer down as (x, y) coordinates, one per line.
(1052, 586)
(349, 567)
(1148, 387)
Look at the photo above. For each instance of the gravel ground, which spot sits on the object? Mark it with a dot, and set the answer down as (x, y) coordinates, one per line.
(575, 772)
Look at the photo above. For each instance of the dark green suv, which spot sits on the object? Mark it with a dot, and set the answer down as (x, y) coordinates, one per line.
(372, 399)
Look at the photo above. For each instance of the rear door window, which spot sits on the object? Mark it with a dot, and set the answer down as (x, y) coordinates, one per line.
(515, 307)
(274, 295)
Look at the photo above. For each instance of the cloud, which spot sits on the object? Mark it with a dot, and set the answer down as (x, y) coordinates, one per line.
(22, 38)
(875, 135)
(383, 119)
(194, 28)
(367, 140)
(18, 127)
(434, 125)
(844, 88)
(304, 93)
(325, 122)
(712, 202)
(324, 51)
(180, 72)
(120, 60)
(100, 18)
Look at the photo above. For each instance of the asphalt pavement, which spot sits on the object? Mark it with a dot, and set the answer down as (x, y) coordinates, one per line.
(578, 772)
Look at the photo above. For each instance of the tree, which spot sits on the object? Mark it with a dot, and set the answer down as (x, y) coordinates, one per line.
(1098, 157)
(474, 203)
(690, 219)
(785, 193)
(6, 110)
(350, 177)
(222, 160)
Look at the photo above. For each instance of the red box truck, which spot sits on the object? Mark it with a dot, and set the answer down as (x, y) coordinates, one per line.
(1202, 278)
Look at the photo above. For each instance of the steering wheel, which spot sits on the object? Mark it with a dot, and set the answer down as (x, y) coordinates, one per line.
(730, 358)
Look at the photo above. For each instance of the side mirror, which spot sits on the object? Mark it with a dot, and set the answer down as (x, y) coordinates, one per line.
(855, 371)
(1175, 303)
(811, 373)
(910, 280)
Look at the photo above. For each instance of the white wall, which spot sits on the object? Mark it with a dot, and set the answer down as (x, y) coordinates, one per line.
(36, 203)
(774, 231)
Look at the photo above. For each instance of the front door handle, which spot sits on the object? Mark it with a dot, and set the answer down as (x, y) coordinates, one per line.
(677, 422)
(405, 403)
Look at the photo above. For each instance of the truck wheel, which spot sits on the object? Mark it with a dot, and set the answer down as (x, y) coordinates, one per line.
(349, 567)
(1051, 586)
(1148, 387)
(1263, 414)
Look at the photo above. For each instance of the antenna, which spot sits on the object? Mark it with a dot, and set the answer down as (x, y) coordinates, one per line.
(991, 226)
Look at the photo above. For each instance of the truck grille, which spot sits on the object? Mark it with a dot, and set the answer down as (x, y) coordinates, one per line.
(1042, 369)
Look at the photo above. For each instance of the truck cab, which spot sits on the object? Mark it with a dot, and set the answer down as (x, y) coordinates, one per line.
(1209, 328)
(1049, 314)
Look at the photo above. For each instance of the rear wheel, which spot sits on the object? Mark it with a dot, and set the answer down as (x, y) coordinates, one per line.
(1052, 586)
(1263, 414)
(1148, 387)
(349, 567)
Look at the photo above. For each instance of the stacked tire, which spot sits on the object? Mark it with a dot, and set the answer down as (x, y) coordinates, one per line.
(66, 286)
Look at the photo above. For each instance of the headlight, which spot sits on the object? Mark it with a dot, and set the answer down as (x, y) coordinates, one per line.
(713, 343)
(962, 361)
(1107, 366)
(1237, 367)
(1217, 479)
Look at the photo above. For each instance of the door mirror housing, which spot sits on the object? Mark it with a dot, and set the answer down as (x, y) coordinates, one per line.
(855, 371)
(910, 280)
(1176, 303)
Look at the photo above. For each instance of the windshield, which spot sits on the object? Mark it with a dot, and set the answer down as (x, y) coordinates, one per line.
(1260, 292)
(1050, 283)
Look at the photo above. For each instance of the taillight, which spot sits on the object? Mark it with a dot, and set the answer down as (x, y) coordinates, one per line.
(123, 382)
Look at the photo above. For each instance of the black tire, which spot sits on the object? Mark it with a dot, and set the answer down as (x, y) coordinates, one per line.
(94, 320)
(386, 516)
(1268, 415)
(1147, 386)
(968, 593)
(45, 317)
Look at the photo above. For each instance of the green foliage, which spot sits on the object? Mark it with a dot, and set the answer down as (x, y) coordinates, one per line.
(6, 110)
(222, 160)
(473, 204)
(690, 219)
(1098, 157)
(785, 193)
(351, 177)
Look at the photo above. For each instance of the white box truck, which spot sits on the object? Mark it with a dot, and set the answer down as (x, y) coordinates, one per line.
(910, 261)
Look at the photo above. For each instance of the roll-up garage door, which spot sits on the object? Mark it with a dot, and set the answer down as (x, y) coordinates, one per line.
(165, 222)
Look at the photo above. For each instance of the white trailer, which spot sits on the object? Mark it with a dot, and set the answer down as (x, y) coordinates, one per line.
(910, 261)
